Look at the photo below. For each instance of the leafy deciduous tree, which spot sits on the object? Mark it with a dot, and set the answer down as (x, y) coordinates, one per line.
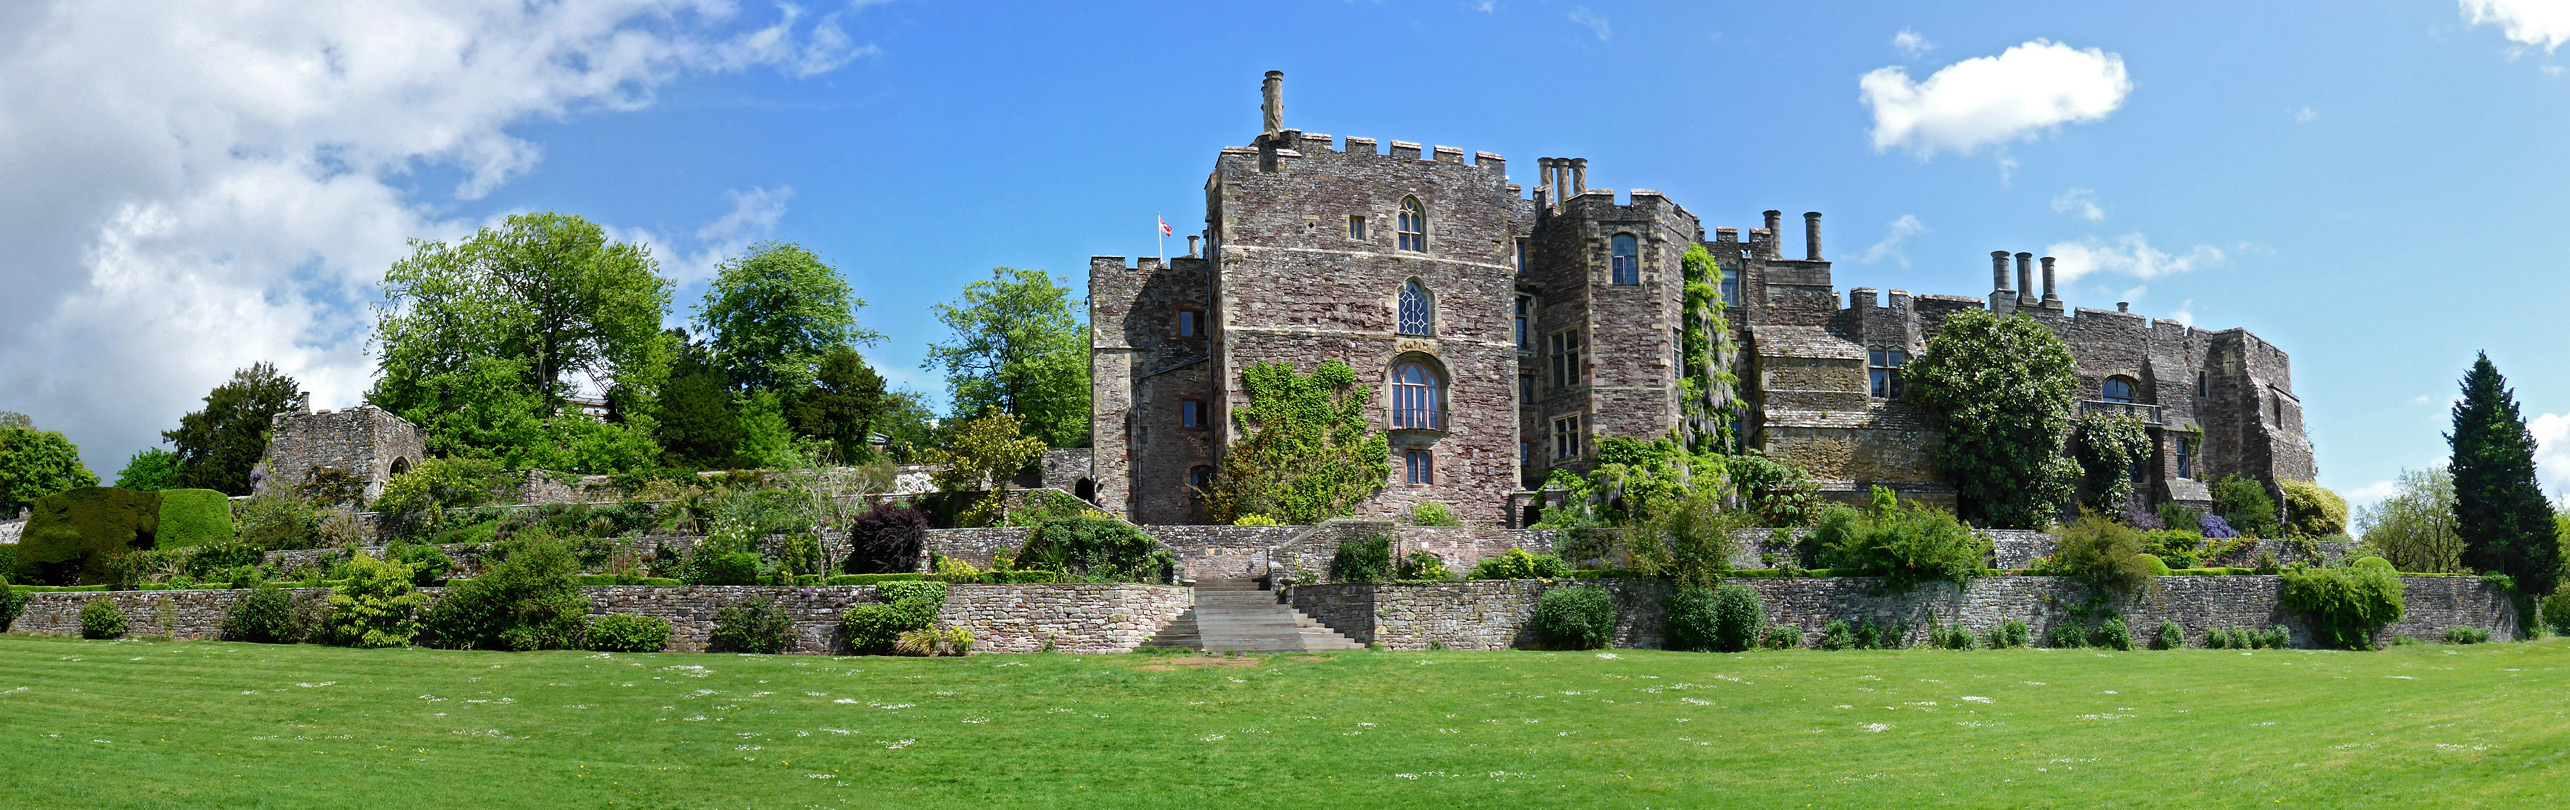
(150, 470)
(2002, 388)
(772, 314)
(1020, 347)
(2414, 528)
(842, 405)
(36, 463)
(982, 455)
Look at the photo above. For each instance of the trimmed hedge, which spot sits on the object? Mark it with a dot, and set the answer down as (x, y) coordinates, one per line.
(76, 536)
(617, 632)
(193, 517)
(1578, 617)
(101, 619)
(1097, 549)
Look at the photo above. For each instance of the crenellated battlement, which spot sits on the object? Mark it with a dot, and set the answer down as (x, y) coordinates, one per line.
(1300, 145)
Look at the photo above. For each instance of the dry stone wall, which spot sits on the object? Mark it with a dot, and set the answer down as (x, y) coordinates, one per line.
(1074, 618)
(1494, 614)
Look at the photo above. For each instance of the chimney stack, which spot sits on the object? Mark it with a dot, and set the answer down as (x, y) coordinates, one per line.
(2026, 280)
(1775, 233)
(1579, 175)
(1191, 245)
(1999, 272)
(1811, 235)
(2051, 301)
(1272, 105)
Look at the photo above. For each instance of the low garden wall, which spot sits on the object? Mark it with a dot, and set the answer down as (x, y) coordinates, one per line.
(1074, 618)
(1494, 614)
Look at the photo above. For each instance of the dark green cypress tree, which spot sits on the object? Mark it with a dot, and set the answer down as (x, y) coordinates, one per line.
(2499, 510)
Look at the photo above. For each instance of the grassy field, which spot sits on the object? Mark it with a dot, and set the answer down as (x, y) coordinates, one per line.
(158, 724)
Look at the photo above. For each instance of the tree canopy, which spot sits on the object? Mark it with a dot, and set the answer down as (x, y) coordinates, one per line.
(151, 469)
(773, 314)
(218, 445)
(2002, 388)
(1307, 453)
(842, 405)
(1018, 345)
(2414, 528)
(36, 463)
(2499, 510)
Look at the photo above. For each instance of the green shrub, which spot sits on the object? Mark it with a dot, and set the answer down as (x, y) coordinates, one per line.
(264, 616)
(1096, 549)
(2170, 637)
(193, 517)
(1837, 636)
(1951, 637)
(2114, 634)
(1362, 559)
(1421, 565)
(1905, 544)
(2314, 510)
(2276, 637)
(429, 564)
(2374, 563)
(870, 579)
(2009, 634)
(2217, 639)
(100, 618)
(1518, 564)
(2244, 502)
(528, 601)
(2466, 635)
(377, 606)
(709, 566)
(2105, 554)
(2068, 635)
(276, 521)
(1737, 615)
(2176, 548)
(1781, 637)
(2344, 606)
(754, 625)
(217, 559)
(2556, 610)
(1866, 636)
(434, 485)
(2152, 563)
(876, 629)
(77, 536)
(2176, 516)
(1577, 617)
(617, 632)
(886, 540)
(1433, 514)
(12, 603)
(1253, 520)
(1690, 618)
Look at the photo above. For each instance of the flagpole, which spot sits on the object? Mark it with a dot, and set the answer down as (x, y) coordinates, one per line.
(1160, 229)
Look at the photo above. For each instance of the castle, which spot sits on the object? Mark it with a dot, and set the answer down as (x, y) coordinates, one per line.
(1504, 332)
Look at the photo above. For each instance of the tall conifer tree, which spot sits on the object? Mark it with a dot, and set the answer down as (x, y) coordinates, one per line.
(2499, 510)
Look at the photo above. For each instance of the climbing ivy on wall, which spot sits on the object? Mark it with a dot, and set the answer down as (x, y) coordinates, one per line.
(1708, 390)
(1307, 454)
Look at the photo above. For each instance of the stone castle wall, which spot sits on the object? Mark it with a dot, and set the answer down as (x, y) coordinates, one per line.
(1495, 614)
(1075, 618)
(365, 441)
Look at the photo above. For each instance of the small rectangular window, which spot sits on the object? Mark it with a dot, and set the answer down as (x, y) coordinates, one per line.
(1191, 413)
(1356, 228)
(1198, 478)
(1564, 346)
(1191, 323)
(1418, 467)
(1521, 257)
(1883, 367)
(1624, 259)
(1566, 437)
(2200, 387)
(1730, 287)
(1525, 453)
(1525, 311)
(1526, 389)
(2185, 458)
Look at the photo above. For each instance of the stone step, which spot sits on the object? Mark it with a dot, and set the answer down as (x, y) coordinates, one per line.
(1234, 615)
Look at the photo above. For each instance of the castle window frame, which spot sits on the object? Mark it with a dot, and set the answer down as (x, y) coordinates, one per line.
(1191, 322)
(1418, 466)
(1566, 438)
(1418, 310)
(1199, 478)
(1418, 397)
(1356, 227)
(1624, 260)
(1526, 389)
(2185, 457)
(1521, 256)
(1413, 225)
(1525, 322)
(1883, 371)
(2120, 390)
(2202, 389)
(1730, 286)
(1564, 349)
(1194, 414)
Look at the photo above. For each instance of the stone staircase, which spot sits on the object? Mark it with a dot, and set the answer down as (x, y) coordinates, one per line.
(1235, 616)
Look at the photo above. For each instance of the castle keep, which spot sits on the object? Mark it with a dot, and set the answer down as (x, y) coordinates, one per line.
(1505, 330)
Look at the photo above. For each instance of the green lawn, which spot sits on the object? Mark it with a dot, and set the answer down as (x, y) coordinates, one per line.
(206, 724)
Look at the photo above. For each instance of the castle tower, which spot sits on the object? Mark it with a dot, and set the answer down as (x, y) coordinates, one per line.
(365, 441)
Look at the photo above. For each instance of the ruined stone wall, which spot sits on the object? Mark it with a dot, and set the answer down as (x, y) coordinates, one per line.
(1075, 618)
(1494, 614)
(364, 441)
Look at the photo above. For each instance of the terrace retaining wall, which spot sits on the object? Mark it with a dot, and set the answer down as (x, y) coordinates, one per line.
(1073, 618)
(1495, 614)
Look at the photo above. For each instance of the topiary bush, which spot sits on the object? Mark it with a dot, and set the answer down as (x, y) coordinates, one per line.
(1518, 564)
(100, 618)
(1577, 617)
(377, 606)
(2345, 606)
(2313, 510)
(193, 517)
(77, 536)
(886, 540)
(1362, 559)
(907, 607)
(265, 616)
(753, 626)
(1097, 549)
(1905, 544)
(529, 601)
(1420, 565)
(617, 632)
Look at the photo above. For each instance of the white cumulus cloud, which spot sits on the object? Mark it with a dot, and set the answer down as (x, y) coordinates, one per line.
(2081, 201)
(2552, 450)
(2544, 23)
(195, 187)
(1893, 235)
(1990, 100)
(2130, 255)
(1911, 43)
(1596, 23)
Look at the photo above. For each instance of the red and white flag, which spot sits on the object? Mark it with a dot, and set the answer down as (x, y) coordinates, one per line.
(1164, 225)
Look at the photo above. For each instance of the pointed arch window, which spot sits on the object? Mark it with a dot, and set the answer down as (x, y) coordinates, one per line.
(1625, 259)
(1418, 311)
(1414, 225)
(1418, 398)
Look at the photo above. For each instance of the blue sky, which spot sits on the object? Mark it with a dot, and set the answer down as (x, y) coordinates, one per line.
(2372, 186)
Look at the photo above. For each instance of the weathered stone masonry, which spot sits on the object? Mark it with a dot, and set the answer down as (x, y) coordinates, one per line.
(365, 441)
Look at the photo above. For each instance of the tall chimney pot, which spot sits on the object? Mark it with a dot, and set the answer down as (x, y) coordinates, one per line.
(1579, 175)
(1811, 235)
(1191, 246)
(1272, 95)
(1999, 272)
(2050, 300)
(1775, 233)
(2026, 280)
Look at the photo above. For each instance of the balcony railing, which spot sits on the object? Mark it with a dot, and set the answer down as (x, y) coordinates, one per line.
(2149, 414)
(1418, 418)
